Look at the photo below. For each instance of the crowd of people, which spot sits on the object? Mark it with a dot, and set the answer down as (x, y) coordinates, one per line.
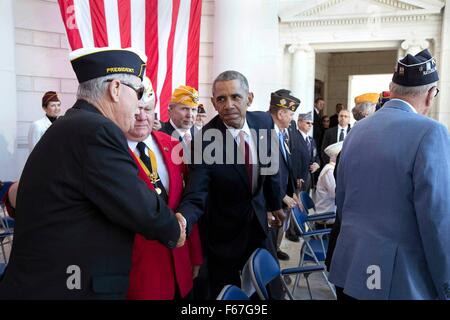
(145, 209)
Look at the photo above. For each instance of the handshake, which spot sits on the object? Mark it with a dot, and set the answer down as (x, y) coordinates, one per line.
(182, 223)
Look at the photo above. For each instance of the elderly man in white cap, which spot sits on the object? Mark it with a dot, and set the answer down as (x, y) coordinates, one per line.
(326, 185)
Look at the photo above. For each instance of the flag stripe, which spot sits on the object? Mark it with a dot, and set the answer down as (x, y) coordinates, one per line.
(152, 40)
(168, 31)
(193, 49)
(112, 23)
(165, 36)
(98, 20)
(124, 8)
(138, 24)
(180, 47)
(67, 8)
(84, 22)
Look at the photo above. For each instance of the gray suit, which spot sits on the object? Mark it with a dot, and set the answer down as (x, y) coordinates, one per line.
(393, 194)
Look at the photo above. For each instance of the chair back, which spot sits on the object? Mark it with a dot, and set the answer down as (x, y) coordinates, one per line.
(230, 292)
(307, 202)
(264, 268)
(300, 219)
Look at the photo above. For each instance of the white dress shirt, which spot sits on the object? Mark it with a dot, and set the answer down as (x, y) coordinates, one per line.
(339, 132)
(252, 145)
(162, 168)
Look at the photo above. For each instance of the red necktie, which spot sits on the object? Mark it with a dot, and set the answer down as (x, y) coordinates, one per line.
(245, 149)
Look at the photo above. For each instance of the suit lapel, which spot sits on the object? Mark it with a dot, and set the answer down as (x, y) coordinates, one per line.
(240, 168)
(165, 149)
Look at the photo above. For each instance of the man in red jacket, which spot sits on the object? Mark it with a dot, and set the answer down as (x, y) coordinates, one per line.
(159, 273)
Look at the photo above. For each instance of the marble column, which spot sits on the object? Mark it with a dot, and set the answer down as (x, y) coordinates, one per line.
(8, 106)
(303, 75)
(246, 40)
(443, 110)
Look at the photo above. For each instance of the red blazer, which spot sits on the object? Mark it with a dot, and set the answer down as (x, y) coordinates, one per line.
(156, 269)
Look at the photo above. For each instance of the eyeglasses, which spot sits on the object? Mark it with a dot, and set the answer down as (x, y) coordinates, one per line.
(138, 89)
(437, 92)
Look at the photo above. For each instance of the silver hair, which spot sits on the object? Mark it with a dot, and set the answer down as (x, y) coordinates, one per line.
(232, 75)
(403, 91)
(362, 110)
(94, 90)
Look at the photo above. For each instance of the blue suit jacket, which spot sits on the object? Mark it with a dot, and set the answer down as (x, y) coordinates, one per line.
(393, 195)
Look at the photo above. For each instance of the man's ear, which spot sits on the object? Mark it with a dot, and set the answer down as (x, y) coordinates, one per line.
(250, 99)
(114, 90)
(428, 102)
(214, 103)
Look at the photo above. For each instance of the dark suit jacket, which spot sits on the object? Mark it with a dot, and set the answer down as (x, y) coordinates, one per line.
(81, 203)
(334, 120)
(287, 178)
(303, 158)
(318, 128)
(221, 192)
(329, 138)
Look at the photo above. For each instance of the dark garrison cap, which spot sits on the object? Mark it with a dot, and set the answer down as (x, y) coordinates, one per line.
(91, 63)
(283, 99)
(414, 71)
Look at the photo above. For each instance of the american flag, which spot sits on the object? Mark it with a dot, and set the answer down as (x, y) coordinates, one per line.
(168, 31)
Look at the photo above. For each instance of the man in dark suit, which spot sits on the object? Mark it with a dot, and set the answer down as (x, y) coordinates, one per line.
(80, 202)
(319, 105)
(336, 134)
(282, 108)
(231, 184)
(334, 119)
(305, 160)
(183, 109)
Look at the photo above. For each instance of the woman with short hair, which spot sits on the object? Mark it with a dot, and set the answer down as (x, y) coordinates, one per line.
(52, 108)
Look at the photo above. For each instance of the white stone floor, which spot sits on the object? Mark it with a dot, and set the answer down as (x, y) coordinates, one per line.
(319, 288)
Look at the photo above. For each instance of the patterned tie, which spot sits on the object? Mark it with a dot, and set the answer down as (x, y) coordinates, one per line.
(341, 135)
(187, 138)
(308, 142)
(152, 166)
(245, 149)
(281, 140)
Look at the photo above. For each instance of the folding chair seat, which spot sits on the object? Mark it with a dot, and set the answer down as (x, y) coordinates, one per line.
(6, 230)
(230, 292)
(263, 268)
(309, 206)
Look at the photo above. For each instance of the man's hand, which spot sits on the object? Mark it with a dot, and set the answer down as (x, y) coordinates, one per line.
(290, 202)
(279, 217)
(12, 194)
(314, 167)
(182, 222)
(156, 125)
(300, 183)
(195, 271)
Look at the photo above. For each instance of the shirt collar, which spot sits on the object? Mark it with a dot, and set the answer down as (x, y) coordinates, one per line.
(148, 142)
(340, 128)
(407, 103)
(304, 134)
(235, 132)
(181, 132)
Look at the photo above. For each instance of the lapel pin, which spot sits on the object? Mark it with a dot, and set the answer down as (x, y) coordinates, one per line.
(166, 149)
